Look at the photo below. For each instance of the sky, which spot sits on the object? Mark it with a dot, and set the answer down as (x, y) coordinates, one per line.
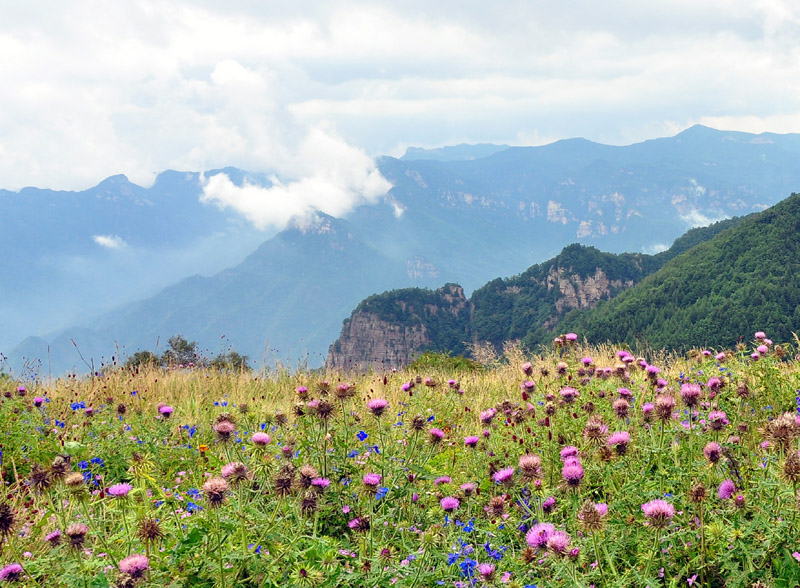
(312, 91)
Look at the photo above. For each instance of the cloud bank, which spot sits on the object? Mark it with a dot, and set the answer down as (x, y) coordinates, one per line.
(94, 89)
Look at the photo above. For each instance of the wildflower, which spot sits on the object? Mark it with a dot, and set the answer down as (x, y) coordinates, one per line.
(531, 466)
(76, 533)
(791, 468)
(436, 435)
(558, 542)
(40, 478)
(568, 451)
(549, 504)
(11, 573)
(450, 503)
(647, 411)
(595, 430)
(371, 481)
(658, 512)
(442, 480)
(538, 535)
(468, 488)
(571, 337)
(664, 405)
(377, 406)
(343, 391)
(224, 430)
(717, 420)
(235, 471)
(215, 490)
(527, 368)
(308, 504)
(726, 489)
(302, 392)
(359, 524)
(619, 441)
(134, 565)
(165, 411)
(621, 407)
(504, 476)
(690, 394)
(496, 506)
(120, 490)
(572, 472)
(487, 416)
(471, 441)
(320, 484)
(569, 394)
(712, 451)
(53, 537)
(486, 571)
(592, 516)
(260, 439)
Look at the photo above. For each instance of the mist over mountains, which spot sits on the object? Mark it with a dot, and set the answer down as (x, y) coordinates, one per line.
(120, 266)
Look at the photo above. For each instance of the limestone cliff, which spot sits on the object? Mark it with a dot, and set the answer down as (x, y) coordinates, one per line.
(389, 330)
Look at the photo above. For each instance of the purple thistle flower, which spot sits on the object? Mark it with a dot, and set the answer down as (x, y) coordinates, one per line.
(569, 394)
(468, 488)
(568, 451)
(372, 480)
(487, 416)
(572, 472)
(377, 406)
(717, 420)
(442, 480)
(486, 571)
(450, 503)
(260, 439)
(320, 483)
(11, 573)
(712, 451)
(726, 489)
(134, 565)
(558, 542)
(436, 435)
(658, 512)
(504, 476)
(165, 411)
(549, 504)
(538, 535)
(471, 441)
(120, 490)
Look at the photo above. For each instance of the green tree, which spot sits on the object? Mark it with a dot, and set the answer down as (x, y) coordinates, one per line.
(180, 352)
(142, 359)
(231, 361)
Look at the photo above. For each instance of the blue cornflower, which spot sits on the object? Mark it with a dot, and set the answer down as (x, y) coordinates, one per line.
(381, 493)
(430, 418)
(191, 507)
(84, 465)
(361, 435)
(77, 405)
(98, 461)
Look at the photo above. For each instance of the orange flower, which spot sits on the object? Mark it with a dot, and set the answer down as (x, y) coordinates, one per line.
(203, 448)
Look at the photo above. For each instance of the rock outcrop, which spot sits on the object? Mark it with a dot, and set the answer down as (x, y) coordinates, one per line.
(389, 330)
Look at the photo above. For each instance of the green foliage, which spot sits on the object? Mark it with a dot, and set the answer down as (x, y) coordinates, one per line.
(230, 361)
(142, 359)
(434, 360)
(180, 352)
(714, 294)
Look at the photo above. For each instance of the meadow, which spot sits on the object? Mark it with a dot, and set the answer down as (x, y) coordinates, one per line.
(577, 466)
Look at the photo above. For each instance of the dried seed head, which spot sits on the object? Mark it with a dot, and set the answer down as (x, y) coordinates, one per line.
(40, 478)
(595, 431)
(60, 466)
(149, 530)
(698, 493)
(215, 490)
(7, 520)
(418, 423)
(496, 506)
(76, 533)
(791, 468)
(307, 473)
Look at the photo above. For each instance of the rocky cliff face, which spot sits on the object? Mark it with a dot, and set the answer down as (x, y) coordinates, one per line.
(389, 330)
(577, 292)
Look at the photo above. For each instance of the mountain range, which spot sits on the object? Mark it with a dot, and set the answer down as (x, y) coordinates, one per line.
(714, 287)
(463, 215)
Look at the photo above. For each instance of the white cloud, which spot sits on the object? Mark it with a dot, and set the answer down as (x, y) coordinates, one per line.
(334, 178)
(109, 241)
(136, 88)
